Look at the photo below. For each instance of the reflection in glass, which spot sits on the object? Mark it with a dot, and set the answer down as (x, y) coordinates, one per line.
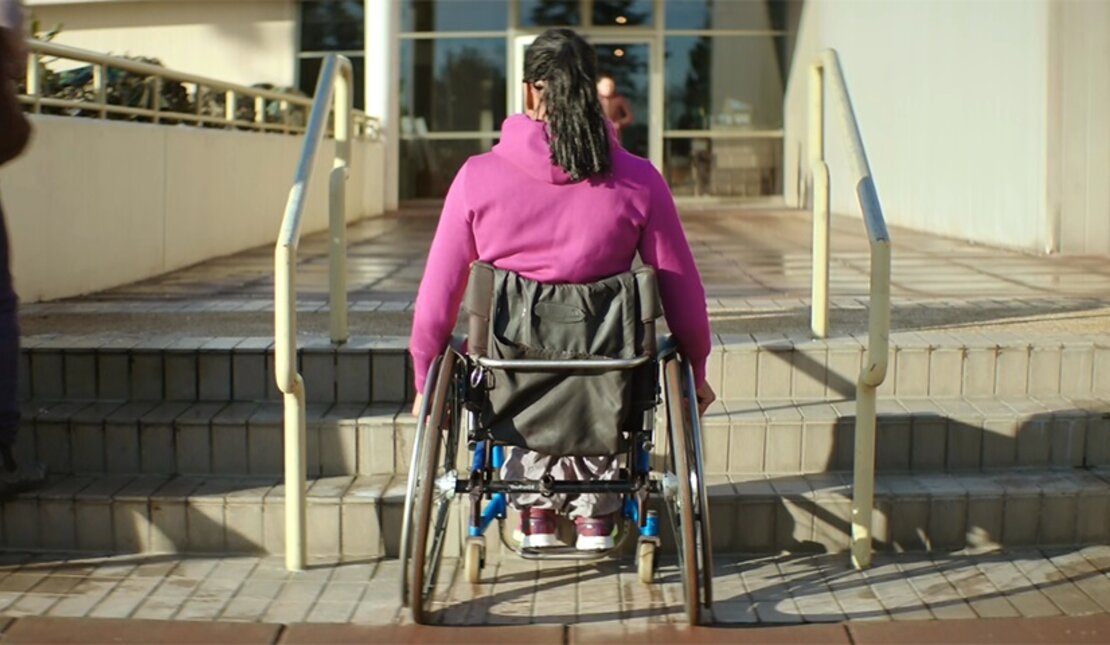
(549, 13)
(428, 167)
(330, 25)
(729, 14)
(723, 167)
(453, 15)
(308, 71)
(724, 83)
(629, 66)
(453, 84)
(622, 13)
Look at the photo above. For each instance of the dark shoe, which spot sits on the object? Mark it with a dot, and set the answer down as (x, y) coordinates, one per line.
(595, 533)
(22, 479)
(537, 529)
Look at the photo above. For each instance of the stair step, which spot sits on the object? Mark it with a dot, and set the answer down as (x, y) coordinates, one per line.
(378, 369)
(360, 516)
(741, 436)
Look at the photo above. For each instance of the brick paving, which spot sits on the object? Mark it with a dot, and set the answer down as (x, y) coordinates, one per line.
(780, 590)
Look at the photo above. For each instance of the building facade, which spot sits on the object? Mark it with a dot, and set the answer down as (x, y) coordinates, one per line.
(705, 78)
(987, 121)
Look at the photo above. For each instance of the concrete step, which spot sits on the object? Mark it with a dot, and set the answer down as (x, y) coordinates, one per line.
(90, 368)
(377, 370)
(776, 437)
(360, 516)
(167, 438)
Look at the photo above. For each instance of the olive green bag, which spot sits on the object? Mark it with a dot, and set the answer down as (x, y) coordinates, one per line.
(579, 412)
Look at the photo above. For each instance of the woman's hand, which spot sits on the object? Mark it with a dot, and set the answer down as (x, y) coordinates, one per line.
(416, 405)
(706, 397)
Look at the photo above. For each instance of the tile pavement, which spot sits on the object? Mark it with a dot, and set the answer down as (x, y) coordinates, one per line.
(779, 590)
(755, 264)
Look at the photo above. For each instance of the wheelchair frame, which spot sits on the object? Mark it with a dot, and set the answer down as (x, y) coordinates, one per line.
(434, 479)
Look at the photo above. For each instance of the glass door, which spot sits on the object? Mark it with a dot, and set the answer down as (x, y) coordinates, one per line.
(630, 62)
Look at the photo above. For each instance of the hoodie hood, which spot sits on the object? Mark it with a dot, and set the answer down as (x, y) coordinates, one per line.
(526, 144)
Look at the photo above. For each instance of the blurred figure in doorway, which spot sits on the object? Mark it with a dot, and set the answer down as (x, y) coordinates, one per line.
(615, 106)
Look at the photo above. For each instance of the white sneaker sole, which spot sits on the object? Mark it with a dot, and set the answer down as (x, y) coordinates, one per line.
(594, 543)
(541, 541)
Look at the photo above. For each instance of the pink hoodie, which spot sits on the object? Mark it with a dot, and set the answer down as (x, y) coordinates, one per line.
(513, 208)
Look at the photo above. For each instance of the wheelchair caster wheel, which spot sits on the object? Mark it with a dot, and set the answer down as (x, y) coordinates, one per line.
(645, 562)
(475, 556)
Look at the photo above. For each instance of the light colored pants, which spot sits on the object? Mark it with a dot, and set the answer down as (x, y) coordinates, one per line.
(522, 464)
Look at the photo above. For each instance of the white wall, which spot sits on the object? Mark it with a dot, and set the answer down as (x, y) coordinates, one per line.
(95, 204)
(242, 41)
(951, 102)
(1079, 126)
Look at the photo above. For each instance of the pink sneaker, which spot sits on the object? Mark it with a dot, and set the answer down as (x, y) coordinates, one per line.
(537, 529)
(595, 533)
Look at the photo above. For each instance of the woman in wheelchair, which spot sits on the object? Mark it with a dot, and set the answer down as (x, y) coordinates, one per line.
(557, 202)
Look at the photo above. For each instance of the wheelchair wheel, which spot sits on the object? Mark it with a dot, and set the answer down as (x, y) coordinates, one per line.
(687, 502)
(701, 501)
(428, 507)
(475, 555)
(681, 502)
(645, 562)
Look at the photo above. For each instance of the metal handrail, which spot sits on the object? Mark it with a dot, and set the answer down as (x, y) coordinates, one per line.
(285, 283)
(364, 125)
(875, 364)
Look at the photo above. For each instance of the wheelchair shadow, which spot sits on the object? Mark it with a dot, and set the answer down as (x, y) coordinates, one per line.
(939, 546)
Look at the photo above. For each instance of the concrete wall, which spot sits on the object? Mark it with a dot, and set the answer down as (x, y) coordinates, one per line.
(95, 204)
(1079, 126)
(242, 41)
(951, 102)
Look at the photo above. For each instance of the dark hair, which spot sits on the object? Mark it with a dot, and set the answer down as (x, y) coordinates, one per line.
(567, 66)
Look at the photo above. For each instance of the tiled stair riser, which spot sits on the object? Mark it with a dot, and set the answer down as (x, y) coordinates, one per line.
(740, 437)
(360, 516)
(378, 370)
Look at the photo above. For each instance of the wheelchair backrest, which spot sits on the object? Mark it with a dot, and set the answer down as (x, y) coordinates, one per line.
(580, 412)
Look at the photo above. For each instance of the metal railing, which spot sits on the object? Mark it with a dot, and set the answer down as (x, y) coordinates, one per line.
(264, 103)
(827, 67)
(335, 68)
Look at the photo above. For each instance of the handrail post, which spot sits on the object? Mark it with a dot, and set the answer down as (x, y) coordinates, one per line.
(156, 100)
(285, 291)
(230, 108)
(827, 68)
(819, 308)
(34, 81)
(259, 113)
(293, 396)
(871, 376)
(337, 206)
(100, 83)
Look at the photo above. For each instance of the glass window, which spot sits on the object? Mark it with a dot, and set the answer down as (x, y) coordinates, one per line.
(623, 13)
(729, 14)
(454, 15)
(724, 83)
(428, 166)
(549, 13)
(330, 25)
(308, 71)
(629, 66)
(453, 84)
(723, 167)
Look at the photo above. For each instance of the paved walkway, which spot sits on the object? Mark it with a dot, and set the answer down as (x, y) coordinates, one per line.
(755, 263)
(782, 590)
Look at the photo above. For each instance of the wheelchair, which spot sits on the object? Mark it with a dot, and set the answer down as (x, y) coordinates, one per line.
(584, 359)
